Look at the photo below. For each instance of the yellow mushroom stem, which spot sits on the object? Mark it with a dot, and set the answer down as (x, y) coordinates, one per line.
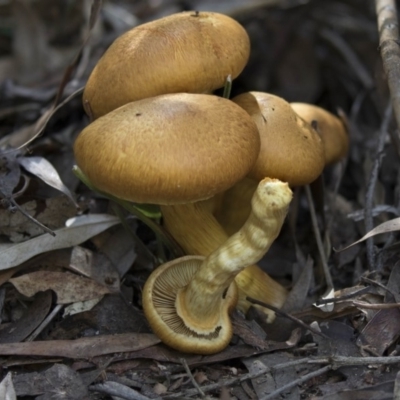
(235, 205)
(247, 246)
(193, 317)
(198, 232)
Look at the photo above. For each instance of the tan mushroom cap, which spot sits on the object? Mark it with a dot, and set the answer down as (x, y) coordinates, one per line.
(331, 128)
(291, 150)
(190, 52)
(169, 149)
(175, 327)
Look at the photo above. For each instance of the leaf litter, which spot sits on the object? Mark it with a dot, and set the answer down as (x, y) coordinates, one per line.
(71, 304)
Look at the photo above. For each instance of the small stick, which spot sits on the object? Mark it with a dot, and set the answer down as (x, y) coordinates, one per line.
(335, 362)
(44, 323)
(296, 382)
(390, 50)
(190, 375)
(227, 87)
(341, 299)
(318, 239)
(119, 390)
(349, 56)
(369, 195)
(283, 314)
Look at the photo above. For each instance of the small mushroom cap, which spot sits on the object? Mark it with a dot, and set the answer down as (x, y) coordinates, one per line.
(169, 149)
(291, 150)
(190, 52)
(331, 128)
(175, 328)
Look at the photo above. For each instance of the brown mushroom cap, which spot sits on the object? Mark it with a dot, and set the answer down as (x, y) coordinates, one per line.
(332, 130)
(169, 149)
(186, 52)
(175, 328)
(291, 150)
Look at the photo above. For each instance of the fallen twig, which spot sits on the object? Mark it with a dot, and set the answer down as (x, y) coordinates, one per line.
(191, 377)
(296, 382)
(286, 315)
(119, 390)
(389, 47)
(332, 364)
(369, 195)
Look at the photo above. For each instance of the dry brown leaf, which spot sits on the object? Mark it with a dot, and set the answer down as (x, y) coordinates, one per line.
(57, 382)
(34, 315)
(87, 347)
(382, 331)
(69, 288)
(272, 379)
(388, 226)
(95, 266)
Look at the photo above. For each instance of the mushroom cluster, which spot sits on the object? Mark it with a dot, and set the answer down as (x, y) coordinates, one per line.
(192, 52)
(318, 137)
(158, 136)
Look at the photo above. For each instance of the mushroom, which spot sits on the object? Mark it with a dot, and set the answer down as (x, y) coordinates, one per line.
(168, 149)
(187, 301)
(154, 150)
(332, 130)
(191, 52)
(291, 150)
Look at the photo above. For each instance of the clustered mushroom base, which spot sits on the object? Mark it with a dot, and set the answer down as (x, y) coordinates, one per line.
(187, 301)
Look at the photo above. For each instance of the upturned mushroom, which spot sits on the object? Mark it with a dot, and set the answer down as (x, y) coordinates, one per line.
(190, 52)
(187, 301)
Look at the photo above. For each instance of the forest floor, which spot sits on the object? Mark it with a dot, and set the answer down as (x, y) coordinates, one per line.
(72, 324)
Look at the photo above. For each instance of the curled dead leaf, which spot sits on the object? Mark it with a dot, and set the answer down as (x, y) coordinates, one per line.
(78, 230)
(68, 287)
(388, 226)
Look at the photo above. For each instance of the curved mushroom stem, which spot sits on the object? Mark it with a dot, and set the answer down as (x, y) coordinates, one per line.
(270, 203)
(235, 205)
(247, 246)
(198, 232)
